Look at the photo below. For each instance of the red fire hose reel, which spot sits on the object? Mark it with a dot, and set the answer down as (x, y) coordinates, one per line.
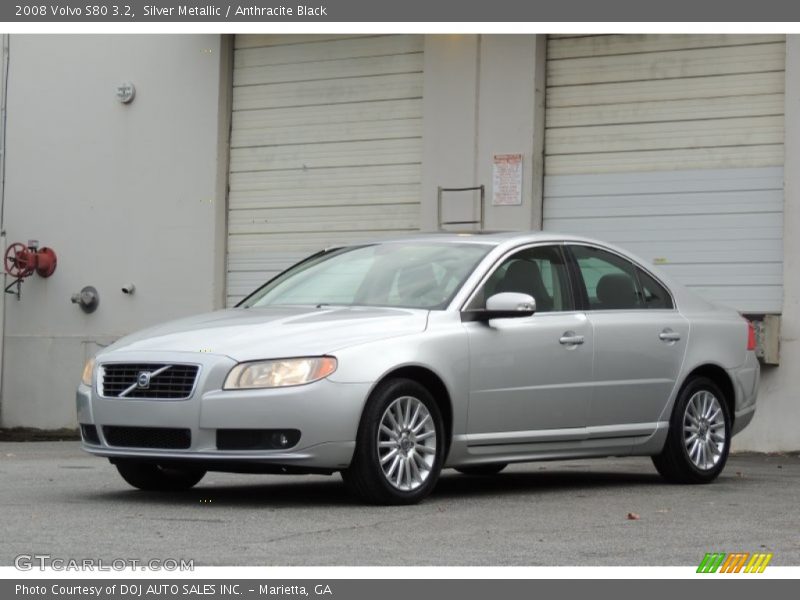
(22, 261)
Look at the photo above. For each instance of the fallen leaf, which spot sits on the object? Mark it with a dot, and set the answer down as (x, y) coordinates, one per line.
(633, 517)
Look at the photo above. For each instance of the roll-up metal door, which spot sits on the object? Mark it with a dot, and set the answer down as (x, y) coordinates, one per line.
(325, 147)
(672, 146)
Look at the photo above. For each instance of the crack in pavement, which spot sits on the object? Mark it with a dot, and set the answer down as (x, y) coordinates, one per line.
(187, 519)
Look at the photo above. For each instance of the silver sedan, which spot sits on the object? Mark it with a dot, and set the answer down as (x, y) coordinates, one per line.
(392, 360)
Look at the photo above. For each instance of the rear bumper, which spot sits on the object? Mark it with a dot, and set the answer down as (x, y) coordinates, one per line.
(745, 380)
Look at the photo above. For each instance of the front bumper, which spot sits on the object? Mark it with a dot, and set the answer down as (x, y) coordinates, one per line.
(327, 415)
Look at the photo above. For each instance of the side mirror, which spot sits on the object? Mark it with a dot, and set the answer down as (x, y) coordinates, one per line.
(506, 305)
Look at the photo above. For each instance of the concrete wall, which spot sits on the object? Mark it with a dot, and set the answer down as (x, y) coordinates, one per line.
(123, 193)
(483, 95)
(775, 426)
(3, 74)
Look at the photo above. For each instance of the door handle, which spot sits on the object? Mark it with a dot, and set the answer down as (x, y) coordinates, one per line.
(570, 339)
(669, 336)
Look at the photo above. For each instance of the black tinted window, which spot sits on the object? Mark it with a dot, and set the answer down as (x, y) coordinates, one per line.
(653, 293)
(539, 272)
(610, 280)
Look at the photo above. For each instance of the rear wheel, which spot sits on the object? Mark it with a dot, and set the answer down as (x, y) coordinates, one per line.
(699, 435)
(154, 477)
(482, 470)
(400, 445)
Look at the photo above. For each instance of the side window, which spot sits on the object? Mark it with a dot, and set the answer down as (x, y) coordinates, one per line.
(653, 293)
(539, 272)
(610, 281)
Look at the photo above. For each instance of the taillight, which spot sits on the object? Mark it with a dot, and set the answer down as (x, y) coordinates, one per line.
(751, 335)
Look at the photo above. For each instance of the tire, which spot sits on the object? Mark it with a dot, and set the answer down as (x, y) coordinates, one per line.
(700, 410)
(400, 445)
(154, 477)
(482, 470)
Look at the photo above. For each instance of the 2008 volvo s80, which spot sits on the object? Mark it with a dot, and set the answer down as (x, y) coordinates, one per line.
(392, 360)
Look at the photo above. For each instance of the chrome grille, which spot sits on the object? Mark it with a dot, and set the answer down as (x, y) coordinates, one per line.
(173, 382)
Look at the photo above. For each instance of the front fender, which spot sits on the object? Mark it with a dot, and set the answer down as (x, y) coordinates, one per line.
(441, 349)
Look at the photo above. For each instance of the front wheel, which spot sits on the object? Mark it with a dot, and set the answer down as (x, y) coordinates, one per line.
(699, 435)
(154, 477)
(400, 445)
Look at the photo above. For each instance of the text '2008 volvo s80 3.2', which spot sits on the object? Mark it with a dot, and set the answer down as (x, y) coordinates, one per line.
(392, 360)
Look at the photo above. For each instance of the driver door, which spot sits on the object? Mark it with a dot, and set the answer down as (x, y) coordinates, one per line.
(530, 377)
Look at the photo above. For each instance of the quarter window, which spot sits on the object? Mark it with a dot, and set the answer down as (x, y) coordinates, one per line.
(654, 294)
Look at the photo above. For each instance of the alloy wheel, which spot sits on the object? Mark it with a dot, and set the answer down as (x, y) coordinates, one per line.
(406, 443)
(704, 430)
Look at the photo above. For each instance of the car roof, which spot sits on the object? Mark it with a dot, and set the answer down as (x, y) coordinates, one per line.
(494, 238)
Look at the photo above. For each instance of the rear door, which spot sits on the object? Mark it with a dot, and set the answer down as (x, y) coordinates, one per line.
(640, 340)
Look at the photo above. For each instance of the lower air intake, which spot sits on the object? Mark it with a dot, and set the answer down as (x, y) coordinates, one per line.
(166, 438)
(257, 439)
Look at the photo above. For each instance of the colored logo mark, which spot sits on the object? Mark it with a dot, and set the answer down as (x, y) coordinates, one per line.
(744, 562)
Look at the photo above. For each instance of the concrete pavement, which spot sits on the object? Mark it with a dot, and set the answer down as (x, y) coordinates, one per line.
(60, 501)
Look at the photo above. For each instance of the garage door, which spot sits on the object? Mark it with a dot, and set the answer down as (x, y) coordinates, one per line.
(672, 146)
(325, 147)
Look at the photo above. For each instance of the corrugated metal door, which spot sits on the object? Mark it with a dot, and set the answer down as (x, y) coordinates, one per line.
(325, 147)
(672, 146)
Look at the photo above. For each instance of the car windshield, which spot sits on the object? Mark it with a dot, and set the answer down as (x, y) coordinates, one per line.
(408, 275)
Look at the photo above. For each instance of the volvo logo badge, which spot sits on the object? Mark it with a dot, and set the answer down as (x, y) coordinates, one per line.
(143, 380)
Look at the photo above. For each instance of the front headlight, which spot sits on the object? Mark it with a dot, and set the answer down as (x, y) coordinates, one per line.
(279, 373)
(88, 369)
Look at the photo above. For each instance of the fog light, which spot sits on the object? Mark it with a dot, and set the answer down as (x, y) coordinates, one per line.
(280, 439)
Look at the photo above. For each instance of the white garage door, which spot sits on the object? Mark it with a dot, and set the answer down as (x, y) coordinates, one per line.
(325, 147)
(672, 146)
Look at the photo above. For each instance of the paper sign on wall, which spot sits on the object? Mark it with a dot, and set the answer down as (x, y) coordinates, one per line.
(507, 179)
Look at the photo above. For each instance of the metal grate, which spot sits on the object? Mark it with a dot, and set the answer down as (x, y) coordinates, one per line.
(147, 437)
(148, 380)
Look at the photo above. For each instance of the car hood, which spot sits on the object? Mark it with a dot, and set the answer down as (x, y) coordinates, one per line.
(274, 332)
